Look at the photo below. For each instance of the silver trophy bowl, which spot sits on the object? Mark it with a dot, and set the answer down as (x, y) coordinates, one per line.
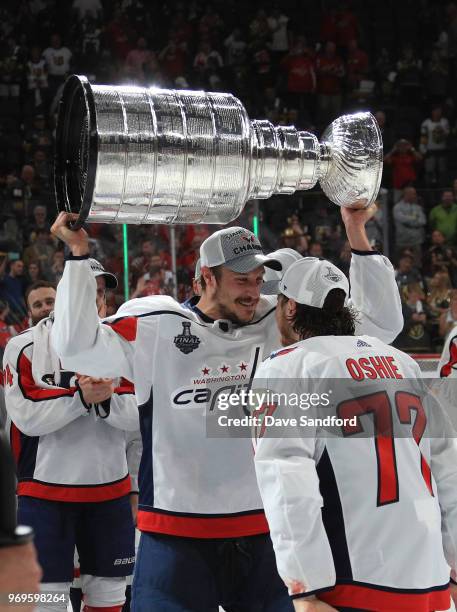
(137, 155)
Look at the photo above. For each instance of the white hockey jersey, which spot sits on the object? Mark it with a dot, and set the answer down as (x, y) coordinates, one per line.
(447, 367)
(362, 522)
(64, 449)
(180, 361)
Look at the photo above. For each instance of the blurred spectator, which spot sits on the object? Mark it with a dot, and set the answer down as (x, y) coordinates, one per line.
(443, 217)
(57, 267)
(277, 22)
(403, 158)
(7, 331)
(37, 96)
(315, 250)
(330, 73)
(438, 298)
(346, 25)
(39, 222)
(374, 227)
(12, 287)
(140, 263)
(435, 257)
(410, 221)
(301, 77)
(434, 134)
(84, 8)
(406, 274)
(415, 336)
(448, 318)
(118, 33)
(137, 59)
(156, 281)
(409, 75)
(259, 28)
(436, 74)
(357, 64)
(173, 58)
(58, 63)
(202, 59)
(387, 133)
(24, 190)
(37, 137)
(235, 48)
(34, 273)
(41, 249)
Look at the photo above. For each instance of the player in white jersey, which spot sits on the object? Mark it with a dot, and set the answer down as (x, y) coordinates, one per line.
(204, 535)
(67, 434)
(357, 523)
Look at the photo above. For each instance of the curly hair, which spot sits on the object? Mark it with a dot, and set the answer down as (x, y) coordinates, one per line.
(333, 319)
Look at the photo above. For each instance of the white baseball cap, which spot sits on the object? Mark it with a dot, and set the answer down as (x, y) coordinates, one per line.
(237, 248)
(309, 280)
(99, 270)
(271, 277)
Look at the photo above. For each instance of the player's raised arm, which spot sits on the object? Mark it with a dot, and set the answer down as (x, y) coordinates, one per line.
(374, 292)
(83, 343)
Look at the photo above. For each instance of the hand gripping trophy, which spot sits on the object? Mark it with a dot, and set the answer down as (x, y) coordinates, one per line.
(129, 154)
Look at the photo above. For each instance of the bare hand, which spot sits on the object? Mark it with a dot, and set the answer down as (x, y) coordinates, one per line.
(357, 216)
(95, 390)
(19, 573)
(78, 241)
(312, 605)
(354, 220)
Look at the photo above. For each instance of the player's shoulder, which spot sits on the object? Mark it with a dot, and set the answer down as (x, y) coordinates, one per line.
(153, 305)
(18, 343)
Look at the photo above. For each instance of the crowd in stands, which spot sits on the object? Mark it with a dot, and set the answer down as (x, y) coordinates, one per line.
(293, 62)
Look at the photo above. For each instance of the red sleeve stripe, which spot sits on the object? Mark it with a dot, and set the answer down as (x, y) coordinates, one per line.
(125, 327)
(30, 390)
(15, 441)
(125, 387)
(369, 598)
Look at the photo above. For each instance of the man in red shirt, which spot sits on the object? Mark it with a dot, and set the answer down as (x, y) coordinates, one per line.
(301, 76)
(330, 73)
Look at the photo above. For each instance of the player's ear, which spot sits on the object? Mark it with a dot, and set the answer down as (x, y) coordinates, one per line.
(291, 307)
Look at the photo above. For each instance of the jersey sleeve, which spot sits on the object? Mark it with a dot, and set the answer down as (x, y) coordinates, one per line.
(35, 410)
(83, 343)
(375, 295)
(289, 487)
(134, 449)
(122, 407)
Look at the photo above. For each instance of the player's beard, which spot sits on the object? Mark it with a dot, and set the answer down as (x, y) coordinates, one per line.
(227, 312)
(36, 320)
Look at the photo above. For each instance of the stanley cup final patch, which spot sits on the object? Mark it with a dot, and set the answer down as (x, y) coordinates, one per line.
(186, 342)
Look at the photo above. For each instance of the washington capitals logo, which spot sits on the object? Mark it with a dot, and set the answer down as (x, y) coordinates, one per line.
(332, 275)
(248, 238)
(186, 342)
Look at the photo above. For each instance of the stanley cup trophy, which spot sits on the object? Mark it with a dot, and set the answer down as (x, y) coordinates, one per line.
(129, 154)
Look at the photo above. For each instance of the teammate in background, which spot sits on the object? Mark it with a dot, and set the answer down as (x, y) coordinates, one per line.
(67, 433)
(321, 494)
(200, 510)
